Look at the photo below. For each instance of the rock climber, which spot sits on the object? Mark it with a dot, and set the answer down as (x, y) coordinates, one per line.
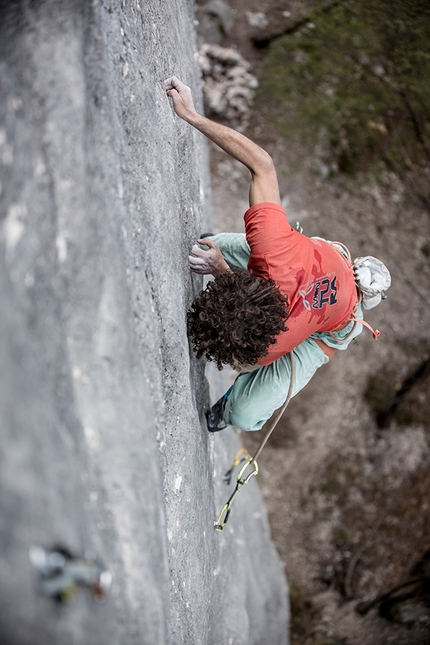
(274, 291)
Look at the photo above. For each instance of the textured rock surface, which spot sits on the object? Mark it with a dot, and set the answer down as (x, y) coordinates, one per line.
(228, 87)
(103, 447)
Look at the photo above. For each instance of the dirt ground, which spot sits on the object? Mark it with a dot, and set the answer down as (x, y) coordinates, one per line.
(349, 502)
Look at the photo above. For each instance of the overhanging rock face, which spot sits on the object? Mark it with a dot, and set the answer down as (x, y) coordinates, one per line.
(103, 444)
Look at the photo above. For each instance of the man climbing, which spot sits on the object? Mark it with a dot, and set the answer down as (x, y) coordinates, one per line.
(275, 291)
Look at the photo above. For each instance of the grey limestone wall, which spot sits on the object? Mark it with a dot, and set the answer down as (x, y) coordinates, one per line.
(103, 443)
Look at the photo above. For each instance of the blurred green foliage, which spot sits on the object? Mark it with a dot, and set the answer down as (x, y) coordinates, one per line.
(360, 73)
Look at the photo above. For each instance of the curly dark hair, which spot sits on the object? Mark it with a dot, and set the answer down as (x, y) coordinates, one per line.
(236, 318)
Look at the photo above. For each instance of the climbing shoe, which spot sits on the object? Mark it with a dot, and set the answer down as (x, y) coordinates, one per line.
(215, 416)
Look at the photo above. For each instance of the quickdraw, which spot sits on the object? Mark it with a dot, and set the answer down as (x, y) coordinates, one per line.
(248, 461)
(241, 457)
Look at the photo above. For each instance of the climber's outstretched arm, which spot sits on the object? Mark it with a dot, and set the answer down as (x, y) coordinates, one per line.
(264, 182)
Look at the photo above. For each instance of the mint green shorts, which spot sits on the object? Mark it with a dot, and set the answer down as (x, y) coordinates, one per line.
(256, 395)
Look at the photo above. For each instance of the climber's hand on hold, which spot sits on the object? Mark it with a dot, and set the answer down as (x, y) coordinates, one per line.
(209, 262)
(181, 97)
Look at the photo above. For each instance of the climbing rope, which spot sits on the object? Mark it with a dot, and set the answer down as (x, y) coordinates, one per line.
(244, 458)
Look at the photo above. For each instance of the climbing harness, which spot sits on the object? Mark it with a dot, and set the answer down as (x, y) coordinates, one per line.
(244, 458)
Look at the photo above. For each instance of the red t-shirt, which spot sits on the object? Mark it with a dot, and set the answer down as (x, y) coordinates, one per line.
(316, 277)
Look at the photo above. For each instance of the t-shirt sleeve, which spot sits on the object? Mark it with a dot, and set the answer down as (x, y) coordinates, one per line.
(267, 231)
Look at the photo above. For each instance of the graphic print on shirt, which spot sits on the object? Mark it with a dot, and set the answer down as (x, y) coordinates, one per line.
(322, 291)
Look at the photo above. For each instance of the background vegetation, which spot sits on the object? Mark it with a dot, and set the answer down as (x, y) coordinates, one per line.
(357, 74)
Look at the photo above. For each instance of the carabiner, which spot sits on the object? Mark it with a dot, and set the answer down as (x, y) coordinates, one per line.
(240, 481)
(241, 456)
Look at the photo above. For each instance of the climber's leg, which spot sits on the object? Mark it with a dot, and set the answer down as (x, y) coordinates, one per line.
(256, 395)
